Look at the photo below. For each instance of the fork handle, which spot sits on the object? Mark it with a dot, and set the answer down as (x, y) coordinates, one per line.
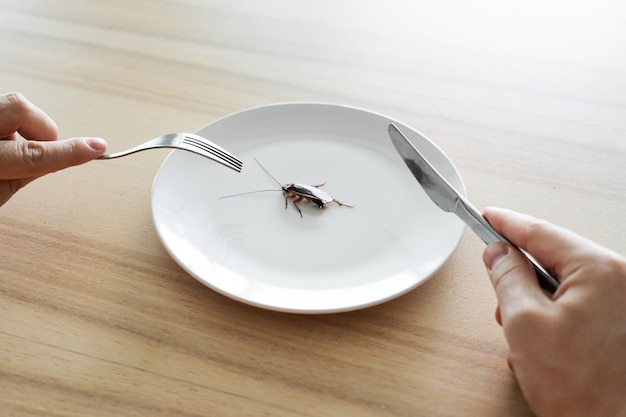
(152, 144)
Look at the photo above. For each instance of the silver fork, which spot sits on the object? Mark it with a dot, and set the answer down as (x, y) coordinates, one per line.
(188, 142)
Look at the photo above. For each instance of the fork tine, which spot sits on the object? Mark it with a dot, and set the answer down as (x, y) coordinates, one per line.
(213, 149)
(204, 144)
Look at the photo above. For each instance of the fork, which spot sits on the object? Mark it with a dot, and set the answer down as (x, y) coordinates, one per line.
(188, 142)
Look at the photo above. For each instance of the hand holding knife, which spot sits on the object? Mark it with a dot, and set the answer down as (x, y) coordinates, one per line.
(448, 199)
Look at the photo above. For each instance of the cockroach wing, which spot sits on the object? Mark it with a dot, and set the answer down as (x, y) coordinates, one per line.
(315, 195)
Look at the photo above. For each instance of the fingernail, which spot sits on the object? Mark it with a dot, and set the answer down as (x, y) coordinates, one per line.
(97, 144)
(494, 252)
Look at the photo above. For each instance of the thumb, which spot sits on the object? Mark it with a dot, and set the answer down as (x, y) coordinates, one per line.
(513, 279)
(29, 158)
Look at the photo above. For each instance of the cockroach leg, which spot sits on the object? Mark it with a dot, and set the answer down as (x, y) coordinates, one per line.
(295, 198)
(342, 204)
(288, 195)
(295, 201)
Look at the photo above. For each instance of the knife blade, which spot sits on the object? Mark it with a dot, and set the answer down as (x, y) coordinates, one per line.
(446, 197)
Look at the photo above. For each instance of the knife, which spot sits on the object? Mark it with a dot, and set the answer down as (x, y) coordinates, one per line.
(448, 199)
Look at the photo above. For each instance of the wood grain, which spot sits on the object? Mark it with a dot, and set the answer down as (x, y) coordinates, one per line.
(528, 100)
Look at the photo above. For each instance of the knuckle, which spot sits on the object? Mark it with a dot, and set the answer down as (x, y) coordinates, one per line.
(16, 102)
(538, 228)
(616, 266)
(32, 154)
(613, 270)
(504, 273)
(609, 273)
(15, 98)
(13, 108)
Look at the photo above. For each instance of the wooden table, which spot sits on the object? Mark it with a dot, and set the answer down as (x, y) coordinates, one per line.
(528, 100)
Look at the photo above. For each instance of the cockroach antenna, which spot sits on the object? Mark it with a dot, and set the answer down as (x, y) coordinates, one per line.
(268, 173)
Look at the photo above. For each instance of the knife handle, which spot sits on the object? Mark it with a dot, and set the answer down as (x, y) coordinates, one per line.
(546, 280)
(479, 225)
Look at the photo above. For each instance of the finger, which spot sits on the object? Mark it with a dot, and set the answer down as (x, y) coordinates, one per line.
(28, 158)
(9, 187)
(17, 114)
(552, 246)
(514, 281)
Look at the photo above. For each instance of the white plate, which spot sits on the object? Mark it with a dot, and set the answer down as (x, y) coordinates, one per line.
(252, 249)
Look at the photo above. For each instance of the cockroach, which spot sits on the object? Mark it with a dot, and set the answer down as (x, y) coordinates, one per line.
(298, 192)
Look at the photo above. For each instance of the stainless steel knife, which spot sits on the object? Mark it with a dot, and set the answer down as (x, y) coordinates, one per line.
(448, 199)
